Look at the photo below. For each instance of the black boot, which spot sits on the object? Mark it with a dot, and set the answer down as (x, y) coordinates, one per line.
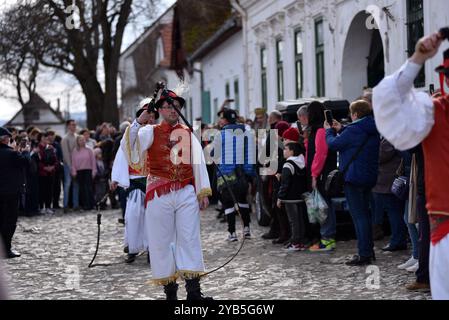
(131, 257)
(171, 291)
(194, 290)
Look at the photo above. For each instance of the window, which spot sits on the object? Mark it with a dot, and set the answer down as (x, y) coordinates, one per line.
(263, 63)
(227, 90)
(415, 31)
(319, 56)
(236, 94)
(280, 68)
(159, 51)
(298, 64)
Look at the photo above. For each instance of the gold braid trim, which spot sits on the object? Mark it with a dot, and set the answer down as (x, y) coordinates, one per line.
(163, 281)
(139, 166)
(205, 193)
(189, 275)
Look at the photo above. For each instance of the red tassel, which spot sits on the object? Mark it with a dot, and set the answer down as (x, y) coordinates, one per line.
(165, 189)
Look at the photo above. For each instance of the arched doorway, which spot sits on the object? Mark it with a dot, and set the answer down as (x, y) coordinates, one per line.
(363, 58)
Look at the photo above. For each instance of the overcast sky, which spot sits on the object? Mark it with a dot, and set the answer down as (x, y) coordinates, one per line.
(51, 86)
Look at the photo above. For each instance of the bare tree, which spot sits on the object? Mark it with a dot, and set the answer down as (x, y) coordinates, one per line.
(79, 48)
(18, 61)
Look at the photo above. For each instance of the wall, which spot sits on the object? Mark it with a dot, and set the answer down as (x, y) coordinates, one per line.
(222, 65)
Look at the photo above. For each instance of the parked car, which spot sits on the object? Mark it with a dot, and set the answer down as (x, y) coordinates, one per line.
(289, 108)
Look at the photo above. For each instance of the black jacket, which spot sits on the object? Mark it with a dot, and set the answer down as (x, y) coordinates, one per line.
(293, 184)
(12, 165)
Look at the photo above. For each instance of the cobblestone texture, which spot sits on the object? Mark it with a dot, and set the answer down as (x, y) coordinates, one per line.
(55, 248)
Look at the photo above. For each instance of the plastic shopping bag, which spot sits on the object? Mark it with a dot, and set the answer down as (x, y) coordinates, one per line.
(316, 207)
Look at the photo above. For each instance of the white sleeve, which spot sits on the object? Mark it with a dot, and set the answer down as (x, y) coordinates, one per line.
(120, 170)
(404, 116)
(136, 141)
(202, 183)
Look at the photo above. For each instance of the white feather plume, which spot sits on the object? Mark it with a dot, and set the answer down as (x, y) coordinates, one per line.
(182, 88)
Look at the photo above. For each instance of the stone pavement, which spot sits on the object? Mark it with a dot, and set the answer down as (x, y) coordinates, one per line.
(56, 251)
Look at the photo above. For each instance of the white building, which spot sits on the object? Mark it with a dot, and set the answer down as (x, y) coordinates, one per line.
(217, 73)
(332, 48)
(306, 48)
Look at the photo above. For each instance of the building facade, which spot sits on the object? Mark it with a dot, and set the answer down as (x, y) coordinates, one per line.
(217, 73)
(161, 52)
(332, 48)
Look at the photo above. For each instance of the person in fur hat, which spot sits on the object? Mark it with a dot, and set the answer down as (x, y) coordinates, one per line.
(177, 188)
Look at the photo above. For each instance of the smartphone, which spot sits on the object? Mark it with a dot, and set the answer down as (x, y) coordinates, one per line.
(329, 117)
(299, 126)
(432, 89)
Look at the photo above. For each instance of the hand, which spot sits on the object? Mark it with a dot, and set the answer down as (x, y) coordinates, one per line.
(279, 204)
(337, 125)
(426, 48)
(144, 118)
(314, 183)
(113, 186)
(278, 176)
(326, 125)
(204, 203)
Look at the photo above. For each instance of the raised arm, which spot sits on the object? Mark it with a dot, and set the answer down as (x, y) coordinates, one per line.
(404, 116)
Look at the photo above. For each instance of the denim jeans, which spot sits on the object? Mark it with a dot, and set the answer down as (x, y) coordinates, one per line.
(394, 208)
(329, 227)
(413, 233)
(75, 189)
(358, 199)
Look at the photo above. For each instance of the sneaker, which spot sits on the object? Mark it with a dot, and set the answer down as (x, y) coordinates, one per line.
(43, 211)
(232, 237)
(413, 268)
(295, 247)
(410, 262)
(50, 211)
(324, 246)
(247, 233)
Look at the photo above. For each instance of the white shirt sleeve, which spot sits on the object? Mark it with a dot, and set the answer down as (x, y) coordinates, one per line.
(202, 183)
(136, 141)
(120, 170)
(404, 116)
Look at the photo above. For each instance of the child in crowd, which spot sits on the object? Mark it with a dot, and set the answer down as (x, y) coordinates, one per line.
(293, 185)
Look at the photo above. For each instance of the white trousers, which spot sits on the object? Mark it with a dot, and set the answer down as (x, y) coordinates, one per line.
(439, 270)
(172, 222)
(135, 237)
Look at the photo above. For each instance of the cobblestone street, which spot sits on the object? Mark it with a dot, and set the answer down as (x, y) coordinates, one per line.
(57, 248)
